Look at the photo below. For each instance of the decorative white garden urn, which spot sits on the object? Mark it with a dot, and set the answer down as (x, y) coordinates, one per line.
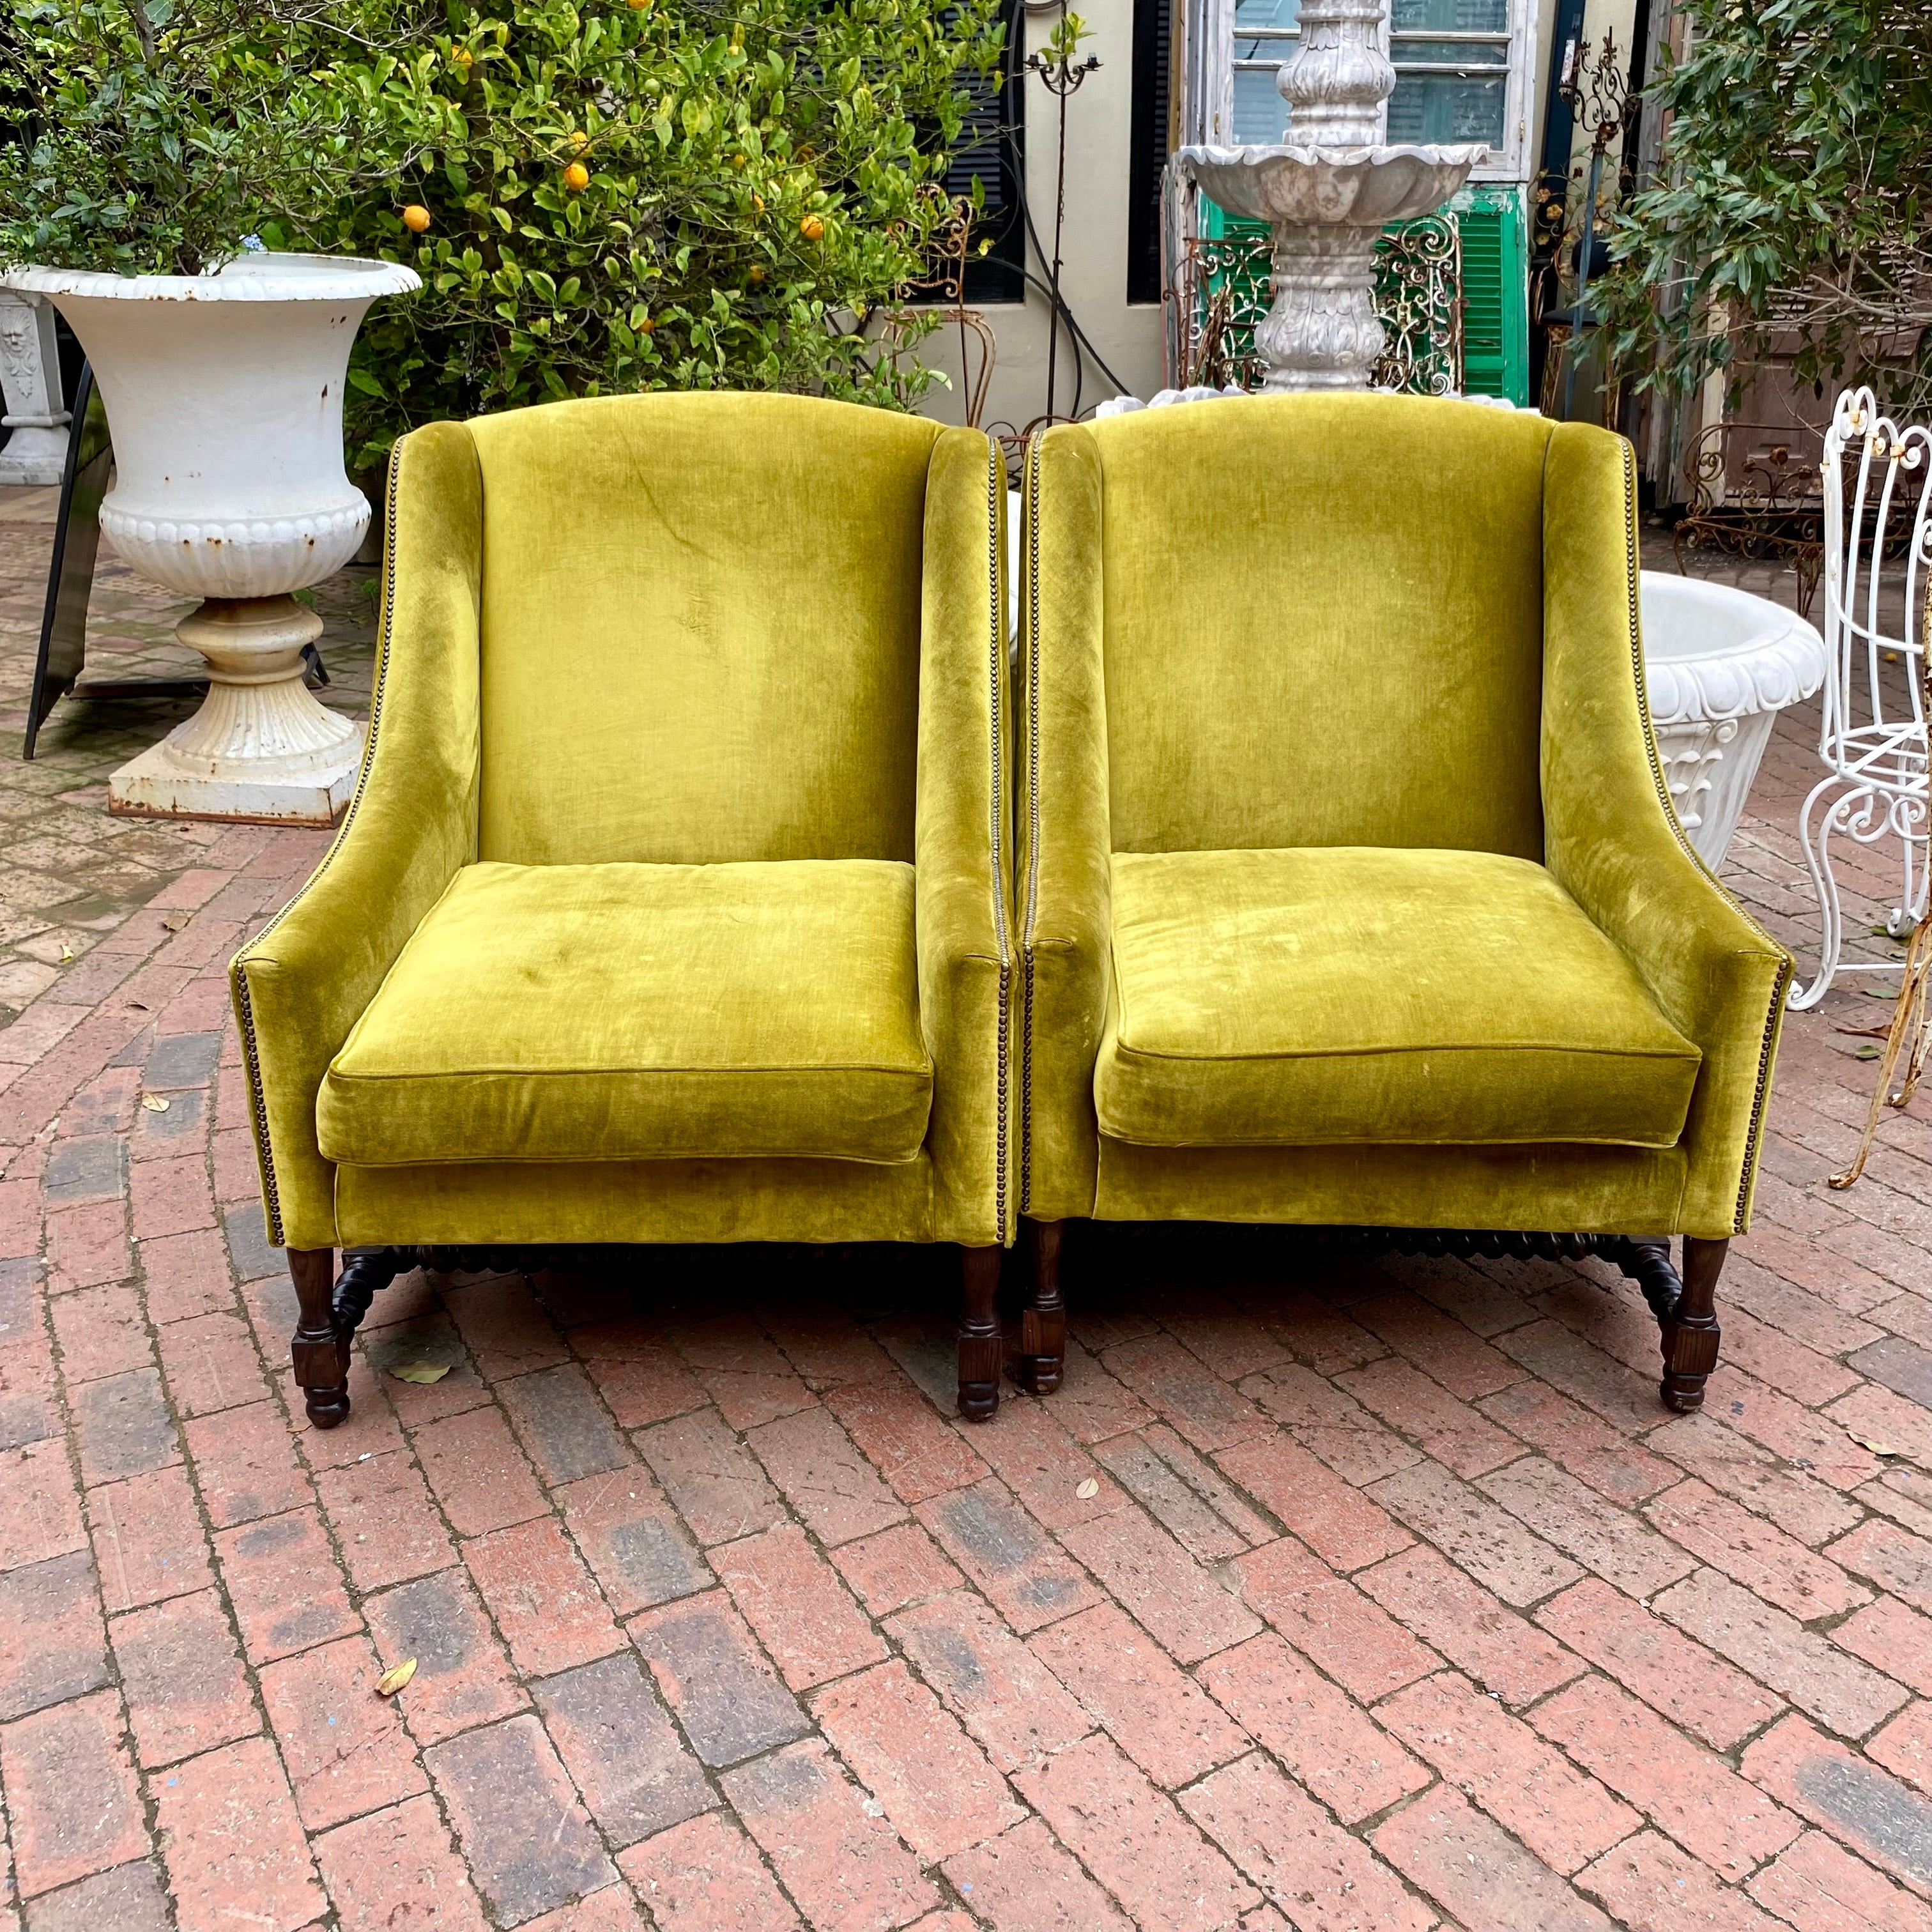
(1719, 664)
(1327, 195)
(224, 394)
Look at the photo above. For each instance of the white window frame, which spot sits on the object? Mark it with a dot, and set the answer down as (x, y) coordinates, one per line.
(1208, 103)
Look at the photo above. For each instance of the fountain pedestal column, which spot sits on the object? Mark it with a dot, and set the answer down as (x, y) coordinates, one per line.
(1322, 332)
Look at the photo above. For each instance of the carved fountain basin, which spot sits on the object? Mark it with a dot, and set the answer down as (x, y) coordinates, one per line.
(1331, 188)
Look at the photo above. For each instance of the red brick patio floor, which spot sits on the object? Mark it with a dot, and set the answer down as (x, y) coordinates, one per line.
(1329, 1594)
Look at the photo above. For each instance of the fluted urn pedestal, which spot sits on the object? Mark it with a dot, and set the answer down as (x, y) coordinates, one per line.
(224, 394)
(1328, 195)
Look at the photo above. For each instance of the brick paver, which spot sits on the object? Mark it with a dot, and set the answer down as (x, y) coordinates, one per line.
(1398, 1600)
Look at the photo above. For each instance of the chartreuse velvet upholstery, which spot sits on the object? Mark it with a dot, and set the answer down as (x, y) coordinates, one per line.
(646, 1012)
(1331, 994)
(671, 904)
(1350, 890)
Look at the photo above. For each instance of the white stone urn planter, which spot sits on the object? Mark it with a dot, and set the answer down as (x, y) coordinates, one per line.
(1719, 664)
(224, 394)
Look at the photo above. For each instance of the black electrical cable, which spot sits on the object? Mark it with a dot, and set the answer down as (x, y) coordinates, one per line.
(1053, 295)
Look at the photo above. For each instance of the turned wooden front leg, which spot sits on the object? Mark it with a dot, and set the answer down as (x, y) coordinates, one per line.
(322, 1362)
(1690, 1341)
(981, 1344)
(1043, 1323)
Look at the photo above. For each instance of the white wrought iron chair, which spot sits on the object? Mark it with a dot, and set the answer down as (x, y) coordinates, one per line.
(1878, 547)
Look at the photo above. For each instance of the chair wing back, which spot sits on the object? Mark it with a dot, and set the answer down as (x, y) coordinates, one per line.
(1323, 624)
(701, 629)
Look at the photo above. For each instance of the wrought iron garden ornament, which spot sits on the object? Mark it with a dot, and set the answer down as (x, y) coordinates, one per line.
(1418, 300)
(1598, 92)
(1063, 75)
(1769, 499)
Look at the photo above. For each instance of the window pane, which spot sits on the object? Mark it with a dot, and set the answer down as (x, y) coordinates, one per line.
(1442, 108)
(1457, 53)
(1260, 114)
(1460, 16)
(1266, 14)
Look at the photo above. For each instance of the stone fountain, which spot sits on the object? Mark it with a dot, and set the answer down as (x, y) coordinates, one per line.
(1328, 195)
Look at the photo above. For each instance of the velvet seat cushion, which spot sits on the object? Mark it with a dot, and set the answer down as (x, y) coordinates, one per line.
(626, 1012)
(1335, 994)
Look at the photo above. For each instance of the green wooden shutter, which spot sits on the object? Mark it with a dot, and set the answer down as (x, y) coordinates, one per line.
(1496, 316)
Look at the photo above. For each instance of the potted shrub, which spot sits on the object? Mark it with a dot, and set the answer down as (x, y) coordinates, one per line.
(151, 140)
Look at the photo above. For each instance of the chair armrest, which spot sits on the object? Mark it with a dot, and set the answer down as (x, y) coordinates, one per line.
(1065, 883)
(1612, 836)
(962, 895)
(301, 983)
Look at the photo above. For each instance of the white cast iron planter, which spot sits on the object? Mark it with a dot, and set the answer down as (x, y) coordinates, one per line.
(224, 394)
(1720, 665)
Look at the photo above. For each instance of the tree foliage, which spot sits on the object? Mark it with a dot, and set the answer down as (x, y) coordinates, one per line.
(148, 136)
(614, 195)
(752, 182)
(1793, 209)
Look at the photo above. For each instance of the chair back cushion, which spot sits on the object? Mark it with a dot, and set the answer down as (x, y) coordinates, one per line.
(701, 629)
(1324, 624)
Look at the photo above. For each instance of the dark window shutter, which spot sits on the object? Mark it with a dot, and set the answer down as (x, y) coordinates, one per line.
(1153, 59)
(991, 146)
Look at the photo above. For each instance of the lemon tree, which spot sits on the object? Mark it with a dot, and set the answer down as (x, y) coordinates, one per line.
(654, 194)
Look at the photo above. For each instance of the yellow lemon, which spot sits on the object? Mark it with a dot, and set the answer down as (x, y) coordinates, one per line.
(415, 217)
(576, 177)
(577, 140)
(812, 228)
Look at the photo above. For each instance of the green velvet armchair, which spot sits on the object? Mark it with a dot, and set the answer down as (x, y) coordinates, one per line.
(1350, 890)
(670, 905)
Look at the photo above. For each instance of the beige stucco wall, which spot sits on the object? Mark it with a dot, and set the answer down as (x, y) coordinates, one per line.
(1093, 276)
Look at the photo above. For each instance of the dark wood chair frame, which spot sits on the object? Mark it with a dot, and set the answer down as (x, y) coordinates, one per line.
(1684, 1305)
(332, 1305)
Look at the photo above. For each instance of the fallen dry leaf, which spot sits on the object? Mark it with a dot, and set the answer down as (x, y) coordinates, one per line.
(153, 1103)
(172, 924)
(421, 1372)
(1087, 1490)
(66, 955)
(391, 1681)
(1876, 1448)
